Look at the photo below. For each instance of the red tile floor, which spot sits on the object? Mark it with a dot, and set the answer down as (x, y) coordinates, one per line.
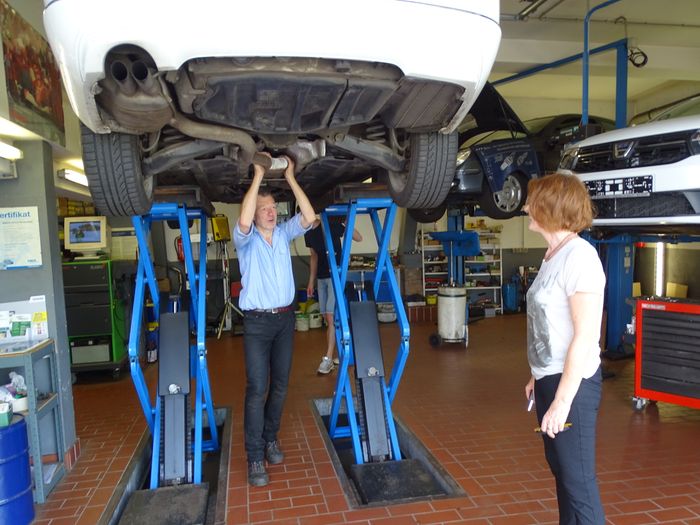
(467, 407)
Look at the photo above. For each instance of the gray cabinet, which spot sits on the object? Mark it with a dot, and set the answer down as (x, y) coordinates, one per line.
(37, 363)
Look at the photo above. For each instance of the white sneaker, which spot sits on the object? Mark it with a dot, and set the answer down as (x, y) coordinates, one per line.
(336, 361)
(326, 366)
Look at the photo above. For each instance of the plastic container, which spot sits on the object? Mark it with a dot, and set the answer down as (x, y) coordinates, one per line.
(452, 313)
(510, 297)
(315, 320)
(302, 322)
(16, 500)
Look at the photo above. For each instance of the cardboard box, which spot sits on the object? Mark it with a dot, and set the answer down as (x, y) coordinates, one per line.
(636, 289)
(676, 290)
(412, 281)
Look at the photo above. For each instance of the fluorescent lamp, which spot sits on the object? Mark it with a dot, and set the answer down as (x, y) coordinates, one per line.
(73, 176)
(10, 152)
(659, 269)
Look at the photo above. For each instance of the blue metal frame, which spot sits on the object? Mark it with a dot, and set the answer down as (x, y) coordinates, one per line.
(339, 277)
(585, 66)
(620, 46)
(618, 263)
(145, 277)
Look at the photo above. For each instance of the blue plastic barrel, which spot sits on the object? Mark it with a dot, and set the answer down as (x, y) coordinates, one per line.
(16, 501)
(510, 297)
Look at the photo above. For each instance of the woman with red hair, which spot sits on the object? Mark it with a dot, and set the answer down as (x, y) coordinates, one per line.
(564, 310)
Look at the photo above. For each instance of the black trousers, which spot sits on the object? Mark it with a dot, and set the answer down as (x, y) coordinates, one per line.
(268, 341)
(571, 455)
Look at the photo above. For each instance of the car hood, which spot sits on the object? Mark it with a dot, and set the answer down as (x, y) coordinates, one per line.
(643, 130)
(490, 112)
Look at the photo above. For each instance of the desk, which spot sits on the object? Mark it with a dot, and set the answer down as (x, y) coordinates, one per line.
(37, 361)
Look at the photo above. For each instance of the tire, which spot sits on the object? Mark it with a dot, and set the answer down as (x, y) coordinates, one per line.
(113, 168)
(431, 170)
(506, 203)
(435, 340)
(427, 215)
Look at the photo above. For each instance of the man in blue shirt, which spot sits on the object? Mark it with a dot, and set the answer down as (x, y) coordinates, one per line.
(267, 298)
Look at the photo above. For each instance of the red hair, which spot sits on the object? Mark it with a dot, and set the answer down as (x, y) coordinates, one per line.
(560, 202)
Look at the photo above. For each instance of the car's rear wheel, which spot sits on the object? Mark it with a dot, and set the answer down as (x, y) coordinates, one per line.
(431, 170)
(113, 168)
(506, 203)
(427, 215)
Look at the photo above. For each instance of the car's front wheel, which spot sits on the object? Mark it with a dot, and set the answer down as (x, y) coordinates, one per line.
(507, 202)
(430, 172)
(113, 168)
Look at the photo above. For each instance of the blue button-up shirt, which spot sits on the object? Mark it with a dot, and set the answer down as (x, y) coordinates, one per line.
(266, 270)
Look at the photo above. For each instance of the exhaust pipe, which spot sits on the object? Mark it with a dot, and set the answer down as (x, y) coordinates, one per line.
(119, 72)
(144, 78)
(216, 133)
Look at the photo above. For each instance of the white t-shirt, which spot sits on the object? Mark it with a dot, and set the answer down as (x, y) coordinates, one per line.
(576, 267)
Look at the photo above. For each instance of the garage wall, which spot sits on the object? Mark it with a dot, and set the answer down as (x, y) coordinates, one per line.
(527, 108)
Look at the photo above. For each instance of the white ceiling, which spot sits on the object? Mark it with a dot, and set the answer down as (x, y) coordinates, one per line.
(667, 31)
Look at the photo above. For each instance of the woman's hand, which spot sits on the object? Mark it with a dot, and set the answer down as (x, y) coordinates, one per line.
(530, 388)
(554, 419)
(309, 291)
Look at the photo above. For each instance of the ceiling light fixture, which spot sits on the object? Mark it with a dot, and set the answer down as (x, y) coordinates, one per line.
(73, 176)
(10, 152)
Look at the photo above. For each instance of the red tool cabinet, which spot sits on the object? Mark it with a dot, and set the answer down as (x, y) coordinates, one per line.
(667, 354)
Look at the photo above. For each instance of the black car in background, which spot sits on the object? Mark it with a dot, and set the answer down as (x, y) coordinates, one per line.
(499, 154)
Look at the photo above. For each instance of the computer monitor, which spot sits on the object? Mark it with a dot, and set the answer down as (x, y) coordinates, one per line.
(87, 235)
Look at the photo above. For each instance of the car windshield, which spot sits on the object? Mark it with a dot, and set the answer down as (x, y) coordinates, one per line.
(684, 109)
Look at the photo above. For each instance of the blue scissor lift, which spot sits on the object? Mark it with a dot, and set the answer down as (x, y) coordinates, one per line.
(370, 422)
(178, 441)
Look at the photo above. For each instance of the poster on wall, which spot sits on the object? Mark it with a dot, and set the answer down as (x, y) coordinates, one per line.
(33, 79)
(20, 244)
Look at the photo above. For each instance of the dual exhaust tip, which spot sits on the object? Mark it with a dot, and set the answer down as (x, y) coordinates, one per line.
(134, 76)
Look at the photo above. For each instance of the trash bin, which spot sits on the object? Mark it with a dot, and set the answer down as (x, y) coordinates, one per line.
(16, 499)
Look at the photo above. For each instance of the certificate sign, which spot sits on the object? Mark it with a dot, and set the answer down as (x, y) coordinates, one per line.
(20, 244)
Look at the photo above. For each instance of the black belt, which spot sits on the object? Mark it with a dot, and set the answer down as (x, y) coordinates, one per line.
(279, 310)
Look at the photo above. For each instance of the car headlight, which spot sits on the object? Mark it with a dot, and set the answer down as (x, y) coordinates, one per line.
(695, 142)
(568, 160)
(463, 155)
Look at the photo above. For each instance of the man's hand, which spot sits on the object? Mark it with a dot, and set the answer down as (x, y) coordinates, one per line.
(289, 172)
(309, 291)
(259, 170)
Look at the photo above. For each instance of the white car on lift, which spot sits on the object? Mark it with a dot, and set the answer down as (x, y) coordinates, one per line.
(183, 93)
(643, 176)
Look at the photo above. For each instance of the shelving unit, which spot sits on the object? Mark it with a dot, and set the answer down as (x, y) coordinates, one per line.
(37, 363)
(434, 262)
(483, 274)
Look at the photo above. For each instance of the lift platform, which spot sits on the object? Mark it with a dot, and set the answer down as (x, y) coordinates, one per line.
(370, 422)
(178, 438)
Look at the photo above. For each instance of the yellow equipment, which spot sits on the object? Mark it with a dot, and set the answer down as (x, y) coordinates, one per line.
(220, 228)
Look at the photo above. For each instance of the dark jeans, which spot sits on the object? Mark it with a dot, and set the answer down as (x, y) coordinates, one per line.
(571, 455)
(268, 341)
